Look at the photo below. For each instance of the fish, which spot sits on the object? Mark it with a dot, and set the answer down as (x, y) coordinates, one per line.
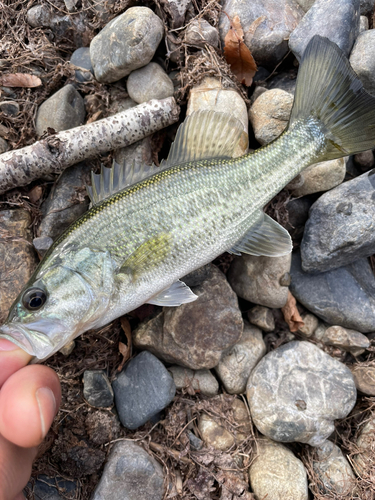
(148, 229)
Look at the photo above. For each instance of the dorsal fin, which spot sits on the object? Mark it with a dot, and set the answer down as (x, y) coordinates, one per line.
(112, 180)
(203, 135)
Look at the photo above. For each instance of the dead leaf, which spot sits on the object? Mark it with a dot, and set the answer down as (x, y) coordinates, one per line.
(291, 314)
(238, 54)
(125, 350)
(20, 80)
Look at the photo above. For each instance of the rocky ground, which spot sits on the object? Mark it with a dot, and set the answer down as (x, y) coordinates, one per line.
(195, 402)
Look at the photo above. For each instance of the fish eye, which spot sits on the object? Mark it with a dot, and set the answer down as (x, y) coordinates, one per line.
(34, 298)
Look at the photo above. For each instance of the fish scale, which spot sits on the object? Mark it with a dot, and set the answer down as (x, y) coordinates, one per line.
(134, 246)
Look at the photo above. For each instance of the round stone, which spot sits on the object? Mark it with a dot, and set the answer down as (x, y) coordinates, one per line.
(297, 391)
(276, 474)
(149, 82)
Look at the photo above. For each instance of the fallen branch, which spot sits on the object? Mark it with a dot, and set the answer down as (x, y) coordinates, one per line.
(57, 152)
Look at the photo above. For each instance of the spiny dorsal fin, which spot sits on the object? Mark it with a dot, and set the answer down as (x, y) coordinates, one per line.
(204, 134)
(266, 238)
(112, 180)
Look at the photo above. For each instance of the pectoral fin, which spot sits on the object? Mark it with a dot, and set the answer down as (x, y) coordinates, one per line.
(266, 238)
(147, 256)
(175, 295)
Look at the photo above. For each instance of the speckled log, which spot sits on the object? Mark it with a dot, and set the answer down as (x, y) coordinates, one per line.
(55, 153)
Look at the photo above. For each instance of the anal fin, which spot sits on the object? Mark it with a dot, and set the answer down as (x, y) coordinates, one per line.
(266, 238)
(175, 295)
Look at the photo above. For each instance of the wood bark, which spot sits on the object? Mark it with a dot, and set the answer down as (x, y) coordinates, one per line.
(55, 153)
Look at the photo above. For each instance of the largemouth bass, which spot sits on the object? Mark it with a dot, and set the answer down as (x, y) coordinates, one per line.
(145, 231)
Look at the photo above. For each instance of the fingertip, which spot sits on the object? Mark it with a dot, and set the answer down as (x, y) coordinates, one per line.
(28, 403)
(12, 359)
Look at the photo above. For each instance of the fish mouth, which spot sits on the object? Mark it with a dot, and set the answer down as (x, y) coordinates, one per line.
(31, 337)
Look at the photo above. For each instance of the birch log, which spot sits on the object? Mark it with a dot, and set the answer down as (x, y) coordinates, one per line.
(57, 152)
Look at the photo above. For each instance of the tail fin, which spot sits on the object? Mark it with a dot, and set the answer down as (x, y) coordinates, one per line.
(328, 89)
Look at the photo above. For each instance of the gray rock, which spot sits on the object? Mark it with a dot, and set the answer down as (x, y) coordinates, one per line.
(71, 5)
(350, 340)
(269, 115)
(305, 4)
(298, 213)
(81, 59)
(149, 82)
(97, 389)
(128, 42)
(195, 442)
(197, 277)
(257, 279)
(201, 381)
(321, 177)
(333, 470)
(284, 81)
(211, 95)
(364, 378)
(362, 59)
(4, 146)
(367, 7)
(142, 389)
(219, 434)
(311, 323)
(62, 111)
(363, 24)
(200, 33)
(365, 160)
(344, 296)
(177, 11)
(276, 474)
(53, 488)
(262, 317)
(9, 108)
(297, 391)
(130, 472)
(140, 152)
(42, 244)
(236, 365)
(266, 25)
(196, 334)
(363, 461)
(341, 226)
(66, 202)
(338, 21)
(75, 27)
(39, 15)
(17, 256)
(102, 9)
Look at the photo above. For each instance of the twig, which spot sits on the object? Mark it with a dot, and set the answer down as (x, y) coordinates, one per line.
(55, 153)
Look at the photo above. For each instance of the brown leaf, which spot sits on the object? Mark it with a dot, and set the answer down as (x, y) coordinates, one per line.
(238, 54)
(125, 350)
(20, 80)
(291, 314)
